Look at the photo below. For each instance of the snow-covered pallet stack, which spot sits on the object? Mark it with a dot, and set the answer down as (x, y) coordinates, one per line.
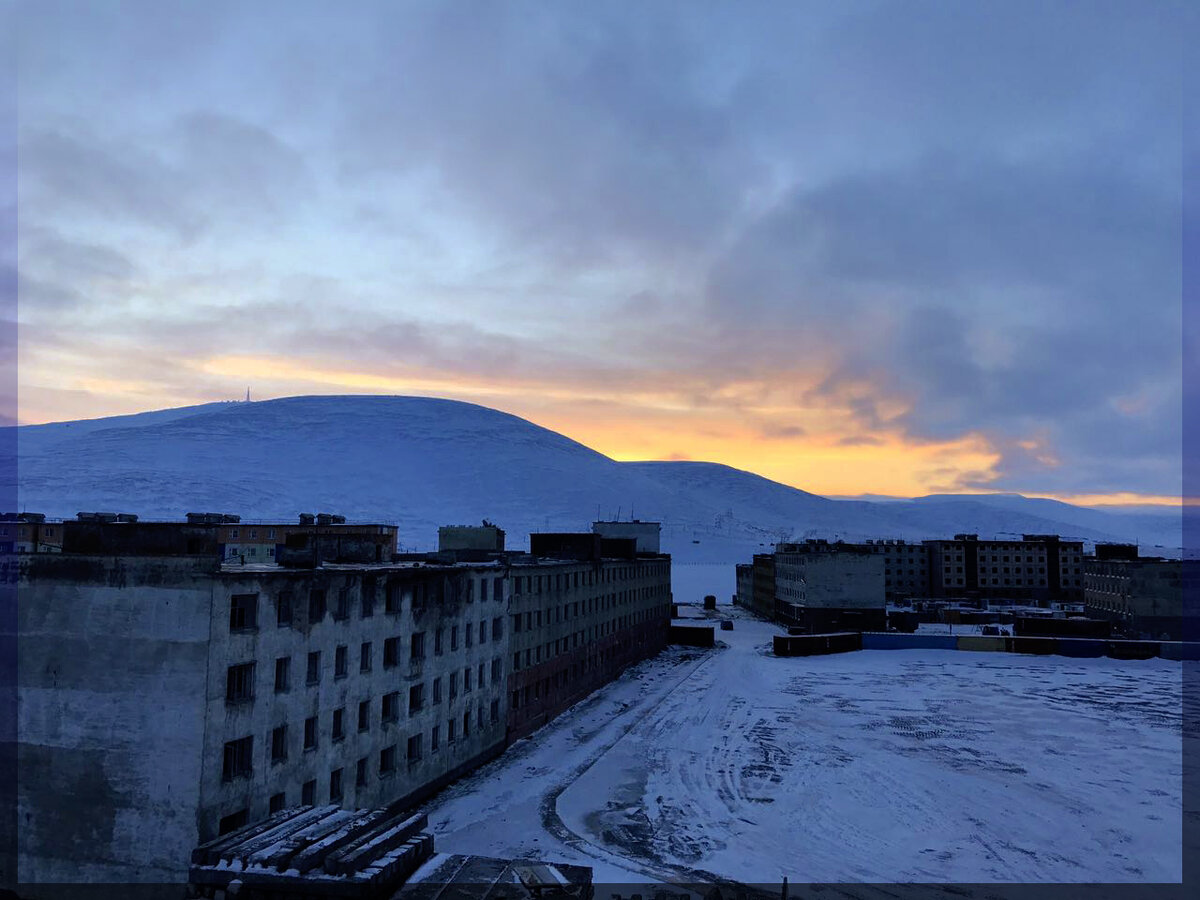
(312, 851)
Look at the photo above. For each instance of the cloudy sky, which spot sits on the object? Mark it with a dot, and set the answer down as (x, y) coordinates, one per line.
(878, 247)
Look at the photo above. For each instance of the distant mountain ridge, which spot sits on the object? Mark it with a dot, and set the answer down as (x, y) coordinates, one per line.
(422, 462)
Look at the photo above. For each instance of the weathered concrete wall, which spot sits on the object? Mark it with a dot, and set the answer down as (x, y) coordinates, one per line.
(110, 720)
(830, 580)
(425, 600)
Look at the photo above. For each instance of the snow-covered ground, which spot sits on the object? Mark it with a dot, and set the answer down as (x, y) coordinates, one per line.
(883, 766)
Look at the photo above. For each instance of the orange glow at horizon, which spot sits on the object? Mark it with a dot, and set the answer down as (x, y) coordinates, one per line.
(648, 423)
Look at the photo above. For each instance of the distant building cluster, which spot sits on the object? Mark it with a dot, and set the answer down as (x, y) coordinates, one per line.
(189, 678)
(820, 586)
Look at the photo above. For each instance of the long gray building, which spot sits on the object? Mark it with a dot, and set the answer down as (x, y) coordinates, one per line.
(167, 698)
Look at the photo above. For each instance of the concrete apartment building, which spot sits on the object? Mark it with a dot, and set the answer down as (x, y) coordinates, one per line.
(905, 567)
(1141, 596)
(821, 586)
(584, 608)
(1037, 567)
(171, 695)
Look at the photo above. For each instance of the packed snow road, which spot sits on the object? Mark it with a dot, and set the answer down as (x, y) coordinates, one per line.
(879, 766)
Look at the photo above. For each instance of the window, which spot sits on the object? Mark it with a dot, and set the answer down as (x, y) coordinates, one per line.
(416, 699)
(368, 598)
(339, 724)
(387, 760)
(364, 657)
(466, 732)
(239, 757)
(278, 802)
(483, 588)
(283, 671)
(437, 642)
(335, 786)
(314, 667)
(433, 738)
(279, 744)
(466, 681)
(495, 711)
(243, 612)
(453, 685)
(341, 611)
(414, 748)
(316, 605)
(450, 731)
(481, 671)
(308, 793)
(284, 608)
(364, 715)
(483, 632)
(495, 669)
(391, 652)
(517, 661)
(470, 590)
(453, 637)
(233, 821)
(340, 665)
(392, 602)
(391, 706)
(418, 646)
(497, 628)
(437, 690)
(516, 623)
(360, 773)
(310, 733)
(468, 635)
(239, 686)
(498, 589)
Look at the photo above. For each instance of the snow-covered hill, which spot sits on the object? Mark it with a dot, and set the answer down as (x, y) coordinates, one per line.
(421, 462)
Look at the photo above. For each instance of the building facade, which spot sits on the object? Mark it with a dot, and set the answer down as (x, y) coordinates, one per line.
(176, 696)
(1037, 567)
(577, 625)
(821, 586)
(1142, 597)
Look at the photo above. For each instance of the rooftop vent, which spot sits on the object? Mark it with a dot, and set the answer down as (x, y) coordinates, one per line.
(307, 518)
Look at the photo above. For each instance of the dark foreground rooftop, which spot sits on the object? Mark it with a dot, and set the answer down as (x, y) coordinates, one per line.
(326, 851)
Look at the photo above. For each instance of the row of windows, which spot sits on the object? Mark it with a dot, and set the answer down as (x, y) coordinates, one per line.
(243, 608)
(239, 754)
(550, 649)
(531, 619)
(536, 584)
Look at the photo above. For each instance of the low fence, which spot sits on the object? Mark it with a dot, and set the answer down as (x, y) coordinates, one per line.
(817, 644)
(692, 635)
(1057, 646)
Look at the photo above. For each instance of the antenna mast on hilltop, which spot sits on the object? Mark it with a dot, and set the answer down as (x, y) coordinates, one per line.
(247, 393)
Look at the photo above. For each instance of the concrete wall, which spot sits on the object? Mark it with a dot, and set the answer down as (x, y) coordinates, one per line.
(451, 603)
(647, 534)
(110, 724)
(832, 580)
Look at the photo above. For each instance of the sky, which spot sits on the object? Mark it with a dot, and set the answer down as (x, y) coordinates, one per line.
(864, 247)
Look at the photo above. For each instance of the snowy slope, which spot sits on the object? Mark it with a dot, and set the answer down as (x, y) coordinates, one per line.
(422, 462)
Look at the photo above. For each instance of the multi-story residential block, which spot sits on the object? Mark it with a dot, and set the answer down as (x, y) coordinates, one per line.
(905, 567)
(822, 586)
(1141, 596)
(577, 623)
(174, 695)
(1037, 567)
